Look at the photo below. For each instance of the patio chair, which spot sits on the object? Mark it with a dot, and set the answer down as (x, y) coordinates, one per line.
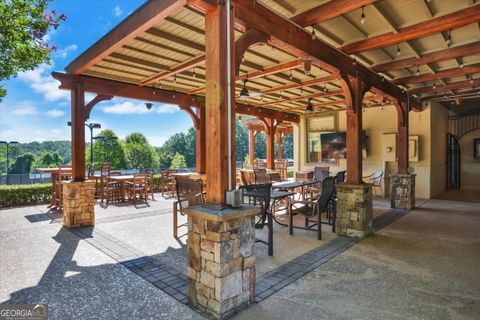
(151, 185)
(319, 174)
(104, 174)
(113, 189)
(260, 164)
(189, 193)
(64, 174)
(261, 176)
(261, 196)
(243, 178)
(332, 205)
(281, 167)
(314, 207)
(168, 184)
(139, 186)
(375, 179)
(340, 176)
(275, 177)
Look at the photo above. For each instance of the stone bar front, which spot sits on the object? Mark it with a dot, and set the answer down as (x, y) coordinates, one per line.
(78, 203)
(402, 191)
(354, 210)
(221, 259)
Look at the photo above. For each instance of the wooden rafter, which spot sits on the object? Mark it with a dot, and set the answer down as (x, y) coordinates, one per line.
(306, 83)
(241, 108)
(328, 11)
(449, 73)
(180, 68)
(450, 86)
(139, 21)
(437, 56)
(288, 36)
(315, 95)
(450, 21)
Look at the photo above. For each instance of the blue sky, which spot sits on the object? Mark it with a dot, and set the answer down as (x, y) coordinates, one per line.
(36, 110)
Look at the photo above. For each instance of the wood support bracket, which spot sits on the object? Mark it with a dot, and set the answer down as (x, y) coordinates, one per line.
(247, 39)
(98, 98)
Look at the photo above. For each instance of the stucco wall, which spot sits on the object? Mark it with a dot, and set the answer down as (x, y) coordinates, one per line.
(469, 168)
(439, 130)
(376, 122)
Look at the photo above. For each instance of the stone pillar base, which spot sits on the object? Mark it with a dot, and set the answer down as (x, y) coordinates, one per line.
(78, 203)
(221, 259)
(402, 191)
(354, 210)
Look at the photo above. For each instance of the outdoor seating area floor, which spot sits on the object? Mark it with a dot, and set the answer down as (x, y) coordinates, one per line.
(52, 262)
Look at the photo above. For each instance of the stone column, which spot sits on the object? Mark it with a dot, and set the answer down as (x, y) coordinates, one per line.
(221, 259)
(354, 210)
(402, 191)
(78, 203)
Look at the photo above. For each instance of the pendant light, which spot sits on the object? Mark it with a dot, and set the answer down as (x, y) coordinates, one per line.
(244, 93)
(362, 17)
(309, 105)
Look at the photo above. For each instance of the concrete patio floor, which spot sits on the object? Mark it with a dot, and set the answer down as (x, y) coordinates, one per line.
(408, 269)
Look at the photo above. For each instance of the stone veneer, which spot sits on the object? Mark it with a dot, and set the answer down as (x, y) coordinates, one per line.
(78, 203)
(221, 259)
(354, 210)
(402, 191)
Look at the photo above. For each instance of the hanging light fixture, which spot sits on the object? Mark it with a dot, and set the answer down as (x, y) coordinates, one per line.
(471, 78)
(149, 105)
(325, 87)
(313, 33)
(418, 71)
(291, 75)
(244, 93)
(460, 63)
(309, 105)
(449, 38)
(362, 17)
(434, 85)
(175, 80)
(194, 75)
(354, 62)
(399, 52)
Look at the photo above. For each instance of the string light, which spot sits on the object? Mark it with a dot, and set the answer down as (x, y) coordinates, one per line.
(363, 18)
(194, 75)
(291, 75)
(354, 62)
(418, 71)
(174, 80)
(471, 78)
(460, 62)
(313, 33)
(434, 85)
(399, 52)
(325, 87)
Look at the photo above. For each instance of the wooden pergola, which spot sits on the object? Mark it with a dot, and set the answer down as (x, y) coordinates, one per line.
(256, 125)
(289, 52)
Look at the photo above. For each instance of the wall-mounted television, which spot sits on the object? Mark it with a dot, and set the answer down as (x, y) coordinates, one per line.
(334, 146)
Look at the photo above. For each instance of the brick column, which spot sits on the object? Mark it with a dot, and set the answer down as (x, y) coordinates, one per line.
(354, 210)
(78, 203)
(221, 259)
(402, 191)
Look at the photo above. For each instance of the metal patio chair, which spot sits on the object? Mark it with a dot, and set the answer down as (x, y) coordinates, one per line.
(189, 192)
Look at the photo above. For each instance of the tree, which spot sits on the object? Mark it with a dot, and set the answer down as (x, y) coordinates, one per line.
(48, 160)
(23, 164)
(138, 152)
(23, 26)
(178, 161)
(108, 149)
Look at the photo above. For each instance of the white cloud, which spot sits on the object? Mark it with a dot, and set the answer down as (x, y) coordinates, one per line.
(63, 53)
(117, 11)
(42, 82)
(55, 113)
(129, 107)
(25, 108)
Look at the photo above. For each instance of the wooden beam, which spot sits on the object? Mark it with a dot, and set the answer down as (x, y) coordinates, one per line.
(449, 21)
(180, 68)
(125, 90)
(173, 38)
(315, 95)
(78, 118)
(307, 83)
(402, 136)
(139, 21)
(256, 111)
(442, 55)
(328, 11)
(251, 145)
(246, 40)
(294, 39)
(450, 86)
(449, 73)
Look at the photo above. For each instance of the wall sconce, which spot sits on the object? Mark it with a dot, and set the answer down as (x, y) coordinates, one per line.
(149, 105)
(388, 149)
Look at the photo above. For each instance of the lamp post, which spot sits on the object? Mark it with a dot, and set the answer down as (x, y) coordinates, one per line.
(106, 143)
(7, 144)
(91, 126)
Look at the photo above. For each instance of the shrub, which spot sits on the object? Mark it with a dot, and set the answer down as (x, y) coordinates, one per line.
(16, 195)
(157, 182)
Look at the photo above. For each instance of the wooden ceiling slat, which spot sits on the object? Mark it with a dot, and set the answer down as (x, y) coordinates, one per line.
(449, 21)
(180, 68)
(165, 47)
(449, 73)
(316, 95)
(139, 61)
(449, 86)
(175, 39)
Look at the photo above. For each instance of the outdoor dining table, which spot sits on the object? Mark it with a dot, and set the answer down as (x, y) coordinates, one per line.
(54, 176)
(122, 179)
(293, 184)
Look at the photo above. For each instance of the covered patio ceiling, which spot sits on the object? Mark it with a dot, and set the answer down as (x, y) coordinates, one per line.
(427, 48)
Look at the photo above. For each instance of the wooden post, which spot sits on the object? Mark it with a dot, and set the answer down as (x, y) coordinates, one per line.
(402, 136)
(270, 126)
(217, 104)
(78, 131)
(200, 140)
(279, 146)
(251, 142)
(354, 89)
